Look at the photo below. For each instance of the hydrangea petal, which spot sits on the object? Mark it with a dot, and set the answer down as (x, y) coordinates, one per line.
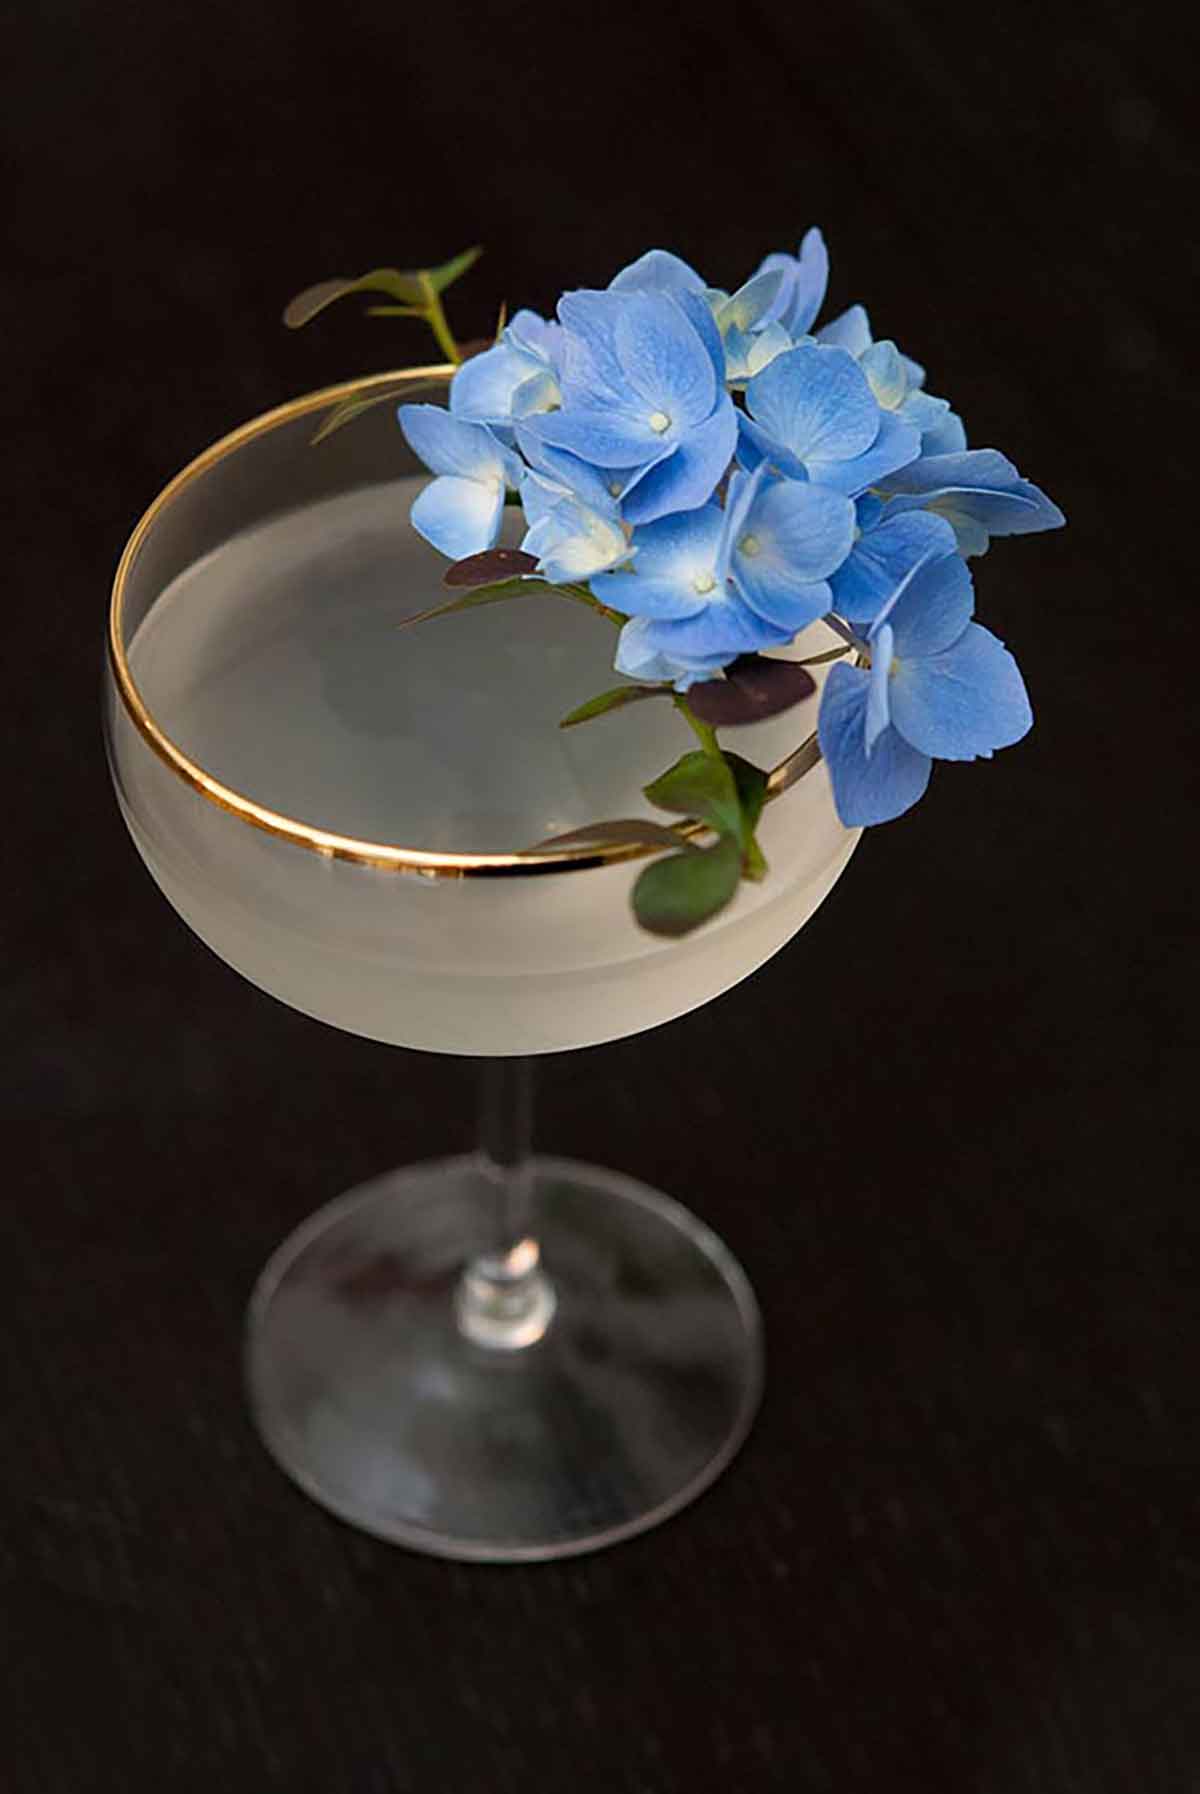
(867, 789)
(455, 445)
(567, 471)
(572, 542)
(930, 608)
(947, 437)
(815, 402)
(882, 556)
(914, 371)
(805, 277)
(697, 311)
(878, 716)
(885, 373)
(812, 278)
(688, 477)
(851, 331)
(793, 536)
(925, 413)
(978, 490)
(459, 516)
(658, 271)
(603, 438)
(536, 336)
(740, 494)
(590, 370)
(753, 302)
(964, 703)
(540, 392)
(896, 444)
(764, 346)
(640, 655)
(664, 360)
(719, 632)
(539, 496)
(805, 528)
(756, 447)
(787, 603)
(482, 388)
(674, 573)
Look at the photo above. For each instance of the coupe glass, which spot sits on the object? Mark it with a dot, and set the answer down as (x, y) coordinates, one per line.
(499, 1356)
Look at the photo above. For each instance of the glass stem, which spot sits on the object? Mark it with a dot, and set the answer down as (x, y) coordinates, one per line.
(505, 1300)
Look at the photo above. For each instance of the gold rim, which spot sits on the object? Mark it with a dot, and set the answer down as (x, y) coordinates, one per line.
(384, 856)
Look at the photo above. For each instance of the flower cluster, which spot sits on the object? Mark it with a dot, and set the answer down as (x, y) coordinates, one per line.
(721, 472)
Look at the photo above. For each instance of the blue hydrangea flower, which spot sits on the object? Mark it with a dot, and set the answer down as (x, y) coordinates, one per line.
(802, 291)
(745, 320)
(676, 573)
(939, 687)
(886, 548)
(575, 527)
(643, 389)
(780, 542)
(979, 491)
(751, 337)
(813, 416)
(642, 654)
(460, 512)
(677, 581)
(896, 380)
(515, 378)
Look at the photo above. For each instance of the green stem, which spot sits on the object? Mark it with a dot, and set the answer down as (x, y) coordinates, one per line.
(819, 660)
(438, 322)
(706, 736)
(583, 596)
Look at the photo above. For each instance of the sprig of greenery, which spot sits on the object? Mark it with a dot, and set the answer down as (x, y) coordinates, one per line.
(710, 786)
(414, 292)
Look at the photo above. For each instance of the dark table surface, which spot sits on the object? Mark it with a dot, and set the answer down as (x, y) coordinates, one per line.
(947, 1130)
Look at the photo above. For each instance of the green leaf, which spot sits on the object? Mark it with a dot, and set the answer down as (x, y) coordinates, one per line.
(632, 831)
(616, 699)
(410, 287)
(440, 278)
(751, 783)
(701, 785)
(494, 594)
(397, 284)
(676, 894)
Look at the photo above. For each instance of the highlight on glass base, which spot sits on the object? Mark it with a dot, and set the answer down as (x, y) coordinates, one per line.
(500, 1405)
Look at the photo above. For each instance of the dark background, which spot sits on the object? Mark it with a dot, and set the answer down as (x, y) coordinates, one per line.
(945, 1131)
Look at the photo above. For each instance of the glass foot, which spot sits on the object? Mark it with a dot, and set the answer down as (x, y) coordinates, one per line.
(372, 1396)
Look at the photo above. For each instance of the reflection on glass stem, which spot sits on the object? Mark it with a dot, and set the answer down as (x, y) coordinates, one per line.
(505, 1300)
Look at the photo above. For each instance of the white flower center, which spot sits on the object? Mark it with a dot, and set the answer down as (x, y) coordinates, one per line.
(703, 583)
(659, 421)
(749, 545)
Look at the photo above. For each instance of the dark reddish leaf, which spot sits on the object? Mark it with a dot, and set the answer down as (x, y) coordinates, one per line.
(753, 689)
(487, 568)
